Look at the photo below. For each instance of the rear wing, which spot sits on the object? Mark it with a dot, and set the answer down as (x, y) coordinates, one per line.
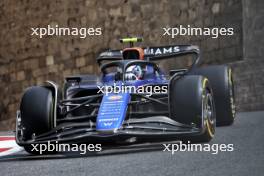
(155, 53)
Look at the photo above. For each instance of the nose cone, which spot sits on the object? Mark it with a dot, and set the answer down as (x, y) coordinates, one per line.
(112, 112)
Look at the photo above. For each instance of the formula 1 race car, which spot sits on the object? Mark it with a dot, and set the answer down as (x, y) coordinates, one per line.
(149, 104)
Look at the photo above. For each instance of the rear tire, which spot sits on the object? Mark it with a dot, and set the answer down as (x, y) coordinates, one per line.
(191, 103)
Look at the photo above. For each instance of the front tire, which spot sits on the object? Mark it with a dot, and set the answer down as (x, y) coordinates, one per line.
(209, 118)
(191, 103)
(221, 79)
(37, 108)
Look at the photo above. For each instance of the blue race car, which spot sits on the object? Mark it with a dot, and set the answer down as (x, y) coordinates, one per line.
(132, 98)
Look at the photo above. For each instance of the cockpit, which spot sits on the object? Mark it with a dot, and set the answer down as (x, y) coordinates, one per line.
(129, 70)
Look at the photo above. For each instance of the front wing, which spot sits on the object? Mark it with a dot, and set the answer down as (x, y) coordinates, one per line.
(156, 127)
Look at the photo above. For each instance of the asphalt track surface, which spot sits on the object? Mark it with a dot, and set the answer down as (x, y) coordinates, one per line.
(247, 136)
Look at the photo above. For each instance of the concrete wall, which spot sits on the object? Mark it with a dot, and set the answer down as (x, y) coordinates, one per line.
(253, 29)
(250, 71)
(26, 60)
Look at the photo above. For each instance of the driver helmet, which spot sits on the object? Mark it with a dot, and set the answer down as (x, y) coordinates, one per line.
(134, 72)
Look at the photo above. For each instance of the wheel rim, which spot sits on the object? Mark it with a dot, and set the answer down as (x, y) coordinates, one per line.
(208, 113)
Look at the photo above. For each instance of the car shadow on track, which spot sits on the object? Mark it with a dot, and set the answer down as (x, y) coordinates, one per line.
(109, 150)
